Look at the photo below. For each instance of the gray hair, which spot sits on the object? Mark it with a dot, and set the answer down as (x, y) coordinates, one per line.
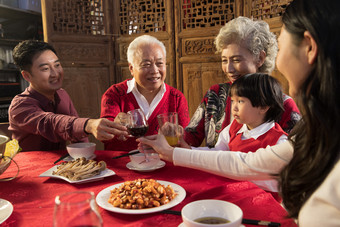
(133, 49)
(255, 36)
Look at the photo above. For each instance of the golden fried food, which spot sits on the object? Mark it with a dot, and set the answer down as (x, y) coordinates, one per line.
(140, 194)
(80, 169)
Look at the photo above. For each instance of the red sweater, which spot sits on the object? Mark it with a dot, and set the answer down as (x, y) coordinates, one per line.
(116, 100)
(269, 138)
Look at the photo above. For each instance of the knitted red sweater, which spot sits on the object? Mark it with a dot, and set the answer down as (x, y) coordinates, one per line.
(116, 100)
(269, 138)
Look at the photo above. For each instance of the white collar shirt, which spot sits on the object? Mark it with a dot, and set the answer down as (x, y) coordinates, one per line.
(141, 100)
(224, 137)
(255, 132)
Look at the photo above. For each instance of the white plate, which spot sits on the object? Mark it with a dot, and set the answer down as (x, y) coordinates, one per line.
(104, 195)
(161, 164)
(6, 209)
(69, 158)
(104, 173)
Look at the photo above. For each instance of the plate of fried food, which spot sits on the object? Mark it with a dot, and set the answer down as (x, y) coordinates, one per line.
(79, 171)
(141, 196)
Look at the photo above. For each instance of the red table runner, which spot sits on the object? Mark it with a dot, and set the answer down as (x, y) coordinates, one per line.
(33, 196)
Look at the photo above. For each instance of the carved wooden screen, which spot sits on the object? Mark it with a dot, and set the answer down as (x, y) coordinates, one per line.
(77, 30)
(134, 18)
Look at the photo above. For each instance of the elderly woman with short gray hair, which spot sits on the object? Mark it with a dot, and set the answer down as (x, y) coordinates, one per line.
(246, 46)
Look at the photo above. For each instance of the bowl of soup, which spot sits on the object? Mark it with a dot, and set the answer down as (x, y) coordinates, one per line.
(211, 212)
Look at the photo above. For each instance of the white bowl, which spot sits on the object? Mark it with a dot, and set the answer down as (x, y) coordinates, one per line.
(211, 208)
(79, 150)
(138, 160)
(3, 141)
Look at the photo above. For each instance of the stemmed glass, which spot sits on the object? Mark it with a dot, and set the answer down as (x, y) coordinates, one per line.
(123, 120)
(77, 208)
(137, 124)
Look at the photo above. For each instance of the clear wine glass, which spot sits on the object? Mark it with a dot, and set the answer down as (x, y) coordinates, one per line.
(76, 209)
(123, 120)
(169, 127)
(137, 125)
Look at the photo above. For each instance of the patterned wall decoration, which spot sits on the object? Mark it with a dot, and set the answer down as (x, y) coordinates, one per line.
(206, 13)
(78, 17)
(145, 16)
(266, 9)
(83, 52)
(199, 46)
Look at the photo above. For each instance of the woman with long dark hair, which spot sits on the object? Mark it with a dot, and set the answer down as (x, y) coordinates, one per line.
(309, 58)
(309, 165)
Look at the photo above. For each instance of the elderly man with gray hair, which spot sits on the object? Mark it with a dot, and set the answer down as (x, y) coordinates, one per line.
(146, 91)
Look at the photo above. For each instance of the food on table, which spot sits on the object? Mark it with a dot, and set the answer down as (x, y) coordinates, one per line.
(141, 193)
(11, 149)
(80, 169)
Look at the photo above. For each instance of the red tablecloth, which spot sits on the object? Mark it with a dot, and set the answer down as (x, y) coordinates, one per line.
(33, 196)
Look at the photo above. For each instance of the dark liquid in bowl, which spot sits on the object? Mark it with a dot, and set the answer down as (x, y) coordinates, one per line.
(138, 131)
(212, 220)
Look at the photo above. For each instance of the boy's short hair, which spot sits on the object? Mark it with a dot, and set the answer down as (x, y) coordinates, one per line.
(24, 52)
(262, 90)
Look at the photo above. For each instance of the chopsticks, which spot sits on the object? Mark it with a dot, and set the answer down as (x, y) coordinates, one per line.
(244, 221)
(61, 158)
(124, 155)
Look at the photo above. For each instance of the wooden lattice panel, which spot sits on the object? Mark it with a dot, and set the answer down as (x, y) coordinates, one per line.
(206, 13)
(199, 46)
(78, 17)
(144, 16)
(266, 9)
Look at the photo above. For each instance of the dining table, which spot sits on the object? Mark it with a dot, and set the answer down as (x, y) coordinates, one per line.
(33, 196)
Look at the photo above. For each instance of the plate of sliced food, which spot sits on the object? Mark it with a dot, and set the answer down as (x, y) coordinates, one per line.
(79, 171)
(141, 196)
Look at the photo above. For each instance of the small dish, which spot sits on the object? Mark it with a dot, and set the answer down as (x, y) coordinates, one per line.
(104, 195)
(104, 173)
(6, 209)
(183, 225)
(130, 166)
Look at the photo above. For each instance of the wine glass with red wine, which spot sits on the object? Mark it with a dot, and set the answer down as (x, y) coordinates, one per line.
(137, 124)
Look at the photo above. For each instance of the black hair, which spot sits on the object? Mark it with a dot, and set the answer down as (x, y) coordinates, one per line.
(262, 90)
(316, 138)
(24, 52)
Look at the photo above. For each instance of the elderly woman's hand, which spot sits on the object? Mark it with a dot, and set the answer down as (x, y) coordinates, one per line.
(159, 144)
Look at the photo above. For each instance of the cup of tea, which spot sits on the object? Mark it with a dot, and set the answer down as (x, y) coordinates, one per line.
(210, 212)
(168, 126)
